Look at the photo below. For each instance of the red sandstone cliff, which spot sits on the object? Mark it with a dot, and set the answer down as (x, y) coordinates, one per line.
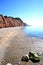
(10, 22)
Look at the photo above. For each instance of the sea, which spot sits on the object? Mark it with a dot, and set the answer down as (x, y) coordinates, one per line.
(34, 31)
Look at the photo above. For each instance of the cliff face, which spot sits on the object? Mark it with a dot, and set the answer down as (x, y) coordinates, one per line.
(10, 22)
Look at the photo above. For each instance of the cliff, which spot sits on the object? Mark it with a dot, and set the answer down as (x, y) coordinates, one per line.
(6, 21)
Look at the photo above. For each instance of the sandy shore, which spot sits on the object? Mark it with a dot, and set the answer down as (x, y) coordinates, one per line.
(14, 43)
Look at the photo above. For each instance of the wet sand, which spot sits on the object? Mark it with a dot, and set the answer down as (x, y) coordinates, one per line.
(14, 43)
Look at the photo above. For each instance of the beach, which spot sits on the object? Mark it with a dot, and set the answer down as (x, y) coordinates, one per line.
(14, 43)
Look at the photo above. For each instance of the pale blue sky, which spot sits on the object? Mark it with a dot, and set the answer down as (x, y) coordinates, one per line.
(30, 11)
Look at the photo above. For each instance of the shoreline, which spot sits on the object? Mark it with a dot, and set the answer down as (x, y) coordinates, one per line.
(16, 43)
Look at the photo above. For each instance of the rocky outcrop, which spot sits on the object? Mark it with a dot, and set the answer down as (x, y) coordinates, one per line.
(6, 21)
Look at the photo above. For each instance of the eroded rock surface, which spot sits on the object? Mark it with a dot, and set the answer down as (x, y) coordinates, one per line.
(6, 21)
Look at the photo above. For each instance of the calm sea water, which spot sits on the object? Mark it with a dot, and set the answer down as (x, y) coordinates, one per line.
(36, 31)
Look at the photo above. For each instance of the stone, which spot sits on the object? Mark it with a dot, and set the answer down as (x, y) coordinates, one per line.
(25, 58)
(8, 64)
(34, 56)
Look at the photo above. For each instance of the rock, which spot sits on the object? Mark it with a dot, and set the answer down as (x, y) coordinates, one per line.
(34, 56)
(8, 64)
(6, 21)
(25, 58)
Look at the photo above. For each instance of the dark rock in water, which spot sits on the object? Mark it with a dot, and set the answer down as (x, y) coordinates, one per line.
(25, 58)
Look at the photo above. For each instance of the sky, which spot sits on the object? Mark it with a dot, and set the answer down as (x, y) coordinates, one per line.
(30, 11)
